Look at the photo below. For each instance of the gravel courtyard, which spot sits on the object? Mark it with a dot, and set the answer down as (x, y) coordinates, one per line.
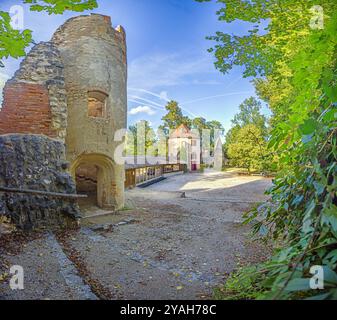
(162, 246)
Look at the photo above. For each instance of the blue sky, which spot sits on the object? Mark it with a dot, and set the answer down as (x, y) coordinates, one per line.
(167, 56)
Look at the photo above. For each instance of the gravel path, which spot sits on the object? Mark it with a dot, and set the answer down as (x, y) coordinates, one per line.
(162, 247)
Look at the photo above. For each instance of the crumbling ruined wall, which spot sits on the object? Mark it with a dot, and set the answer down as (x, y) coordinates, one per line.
(36, 163)
(48, 98)
(35, 105)
(35, 100)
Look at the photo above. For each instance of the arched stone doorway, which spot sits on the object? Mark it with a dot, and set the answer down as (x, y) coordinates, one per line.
(86, 183)
(94, 176)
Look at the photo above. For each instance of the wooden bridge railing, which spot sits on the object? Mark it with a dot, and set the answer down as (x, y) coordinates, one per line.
(139, 175)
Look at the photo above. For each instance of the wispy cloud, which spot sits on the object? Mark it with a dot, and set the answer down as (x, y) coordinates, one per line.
(162, 95)
(165, 70)
(207, 82)
(218, 96)
(155, 105)
(149, 102)
(150, 76)
(142, 109)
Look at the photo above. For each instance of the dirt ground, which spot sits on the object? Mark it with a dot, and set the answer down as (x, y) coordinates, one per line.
(177, 239)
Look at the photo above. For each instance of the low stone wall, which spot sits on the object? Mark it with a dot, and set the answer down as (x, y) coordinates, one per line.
(37, 163)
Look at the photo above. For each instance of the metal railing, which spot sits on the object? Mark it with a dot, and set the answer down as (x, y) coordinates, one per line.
(42, 193)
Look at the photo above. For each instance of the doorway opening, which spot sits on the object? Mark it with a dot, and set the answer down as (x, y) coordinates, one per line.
(94, 176)
(86, 183)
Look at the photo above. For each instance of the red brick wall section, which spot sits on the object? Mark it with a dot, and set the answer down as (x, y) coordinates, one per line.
(26, 110)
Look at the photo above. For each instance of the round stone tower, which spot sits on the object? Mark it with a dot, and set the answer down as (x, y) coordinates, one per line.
(95, 71)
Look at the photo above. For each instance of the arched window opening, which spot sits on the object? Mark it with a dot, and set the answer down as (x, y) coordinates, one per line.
(97, 104)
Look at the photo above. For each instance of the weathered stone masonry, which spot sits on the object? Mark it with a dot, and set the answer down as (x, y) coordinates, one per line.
(94, 57)
(35, 99)
(35, 163)
(48, 100)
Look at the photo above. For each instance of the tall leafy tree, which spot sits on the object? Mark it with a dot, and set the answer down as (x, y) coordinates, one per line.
(294, 62)
(250, 113)
(199, 123)
(249, 150)
(216, 132)
(231, 137)
(209, 132)
(141, 139)
(174, 117)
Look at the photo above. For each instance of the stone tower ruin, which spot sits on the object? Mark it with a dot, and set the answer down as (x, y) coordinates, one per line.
(72, 90)
(95, 71)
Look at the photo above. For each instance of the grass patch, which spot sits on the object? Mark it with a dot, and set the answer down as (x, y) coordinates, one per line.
(242, 284)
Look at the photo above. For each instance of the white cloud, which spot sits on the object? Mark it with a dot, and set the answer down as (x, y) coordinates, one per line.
(164, 96)
(142, 109)
(3, 79)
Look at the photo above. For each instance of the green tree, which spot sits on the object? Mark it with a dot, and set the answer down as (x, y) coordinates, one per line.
(141, 139)
(174, 117)
(199, 124)
(262, 49)
(215, 125)
(216, 131)
(295, 66)
(249, 148)
(250, 113)
(14, 42)
(230, 138)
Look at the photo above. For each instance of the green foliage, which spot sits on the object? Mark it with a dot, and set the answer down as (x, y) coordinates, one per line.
(157, 144)
(299, 66)
(249, 150)
(174, 117)
(214, 128)
(304, 199)
(231, 137)
(243, 284)
(141, 140)
(250, 113)
(14, 42)
(260, 50)
(199, 123)
(60, 6)
(246, 141)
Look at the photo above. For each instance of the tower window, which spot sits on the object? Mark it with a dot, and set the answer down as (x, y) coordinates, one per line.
(97, 104)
